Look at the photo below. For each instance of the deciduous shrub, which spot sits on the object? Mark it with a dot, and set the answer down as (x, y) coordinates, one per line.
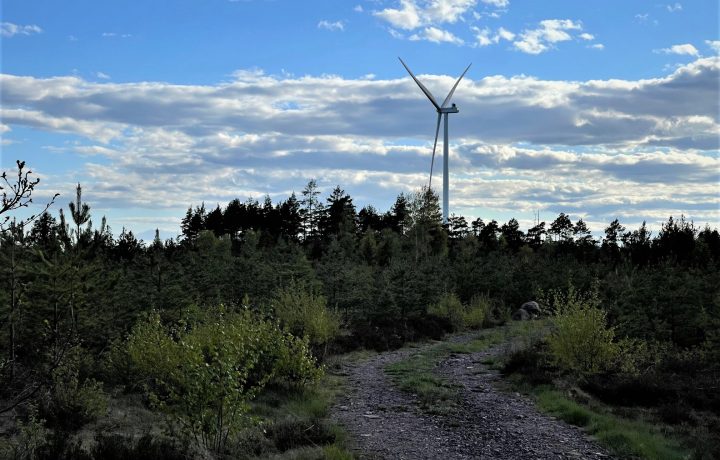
(206, 371)
(476, 312)
(450, 308)
(581, 343)
(30, 441)
(471, 316)
(305, 314)
(72, 399)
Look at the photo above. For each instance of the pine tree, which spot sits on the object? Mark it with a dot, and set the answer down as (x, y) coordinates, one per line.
(582, 234)
(562, 228)
(512, 235)
(193, 223)
(80, 213)
(311, 210)
(613, 233)
(339, 216)
(398, 219)
(458, 227)
(534, 237)
(214, 221)
(290, 218)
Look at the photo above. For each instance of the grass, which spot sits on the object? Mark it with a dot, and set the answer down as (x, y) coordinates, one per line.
(622, 436)
(295, 423)
(640, 437)
(626, 438)
(415, 374)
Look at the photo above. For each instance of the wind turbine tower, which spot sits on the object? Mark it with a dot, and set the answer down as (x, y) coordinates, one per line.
(442, 110)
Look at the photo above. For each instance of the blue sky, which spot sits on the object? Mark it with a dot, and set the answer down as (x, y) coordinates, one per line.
(600, 109)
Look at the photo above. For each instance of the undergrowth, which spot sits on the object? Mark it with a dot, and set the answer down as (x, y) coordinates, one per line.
(624, 437)
(626, 431)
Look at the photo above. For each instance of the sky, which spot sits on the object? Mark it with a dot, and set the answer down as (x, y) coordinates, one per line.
(601, 110)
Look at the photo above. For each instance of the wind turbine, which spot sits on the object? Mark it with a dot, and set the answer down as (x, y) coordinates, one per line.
(441, 110)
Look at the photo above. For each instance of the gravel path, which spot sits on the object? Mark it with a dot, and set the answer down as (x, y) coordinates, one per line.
(384, 422)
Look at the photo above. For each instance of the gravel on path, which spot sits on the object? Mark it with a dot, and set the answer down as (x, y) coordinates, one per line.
(386, 423)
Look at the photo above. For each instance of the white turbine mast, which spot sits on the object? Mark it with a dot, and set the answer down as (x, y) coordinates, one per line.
(441, 110)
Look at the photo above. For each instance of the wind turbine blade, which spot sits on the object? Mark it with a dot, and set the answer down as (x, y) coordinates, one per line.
(432, 163)
(422, 87)
(449, 96)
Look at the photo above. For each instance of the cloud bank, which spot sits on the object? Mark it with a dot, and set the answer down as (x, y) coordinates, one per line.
(601, 149)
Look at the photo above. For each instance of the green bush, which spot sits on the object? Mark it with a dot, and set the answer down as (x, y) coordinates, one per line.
(72, 399)
(581, 343)
(450, 308)
(472, 316)
(305, 314)
(30, 441)
(116, 366)
(204, 372)
(476, 312)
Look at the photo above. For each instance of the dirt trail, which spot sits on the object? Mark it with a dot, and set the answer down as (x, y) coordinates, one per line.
(385, 422)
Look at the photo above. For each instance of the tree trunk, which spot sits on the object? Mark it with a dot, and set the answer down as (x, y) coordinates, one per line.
(13, 306)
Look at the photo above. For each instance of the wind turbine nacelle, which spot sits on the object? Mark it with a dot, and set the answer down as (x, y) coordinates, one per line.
(452, 109)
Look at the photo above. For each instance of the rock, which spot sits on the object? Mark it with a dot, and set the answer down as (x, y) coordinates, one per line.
(521, 315)
(531, 307)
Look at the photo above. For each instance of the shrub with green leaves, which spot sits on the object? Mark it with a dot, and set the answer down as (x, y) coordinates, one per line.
(305, 314)
(31, 439)
(581, 343)
(471, 316)
(72, 399)
(205, 372)
(476, 312)
(450, 308)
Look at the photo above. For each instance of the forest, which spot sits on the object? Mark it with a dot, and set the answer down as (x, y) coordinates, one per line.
(255, 296)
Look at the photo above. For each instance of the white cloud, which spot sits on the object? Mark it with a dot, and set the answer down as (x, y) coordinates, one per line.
(446, 11)
(714, 45)
(331, 26)
(91, 150)
(115, 34)
(549, 32)
(413, 14)
(485, 37)
(435, 35)
(8, 29)
(497, 3)
(358, 9)
(684, 49)
(482, 36)
(102, 75)
(505, 34)
(597, 46)
(587, 36)
(395, 34)
(519, 143)
(674, 7)
(406, 17)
